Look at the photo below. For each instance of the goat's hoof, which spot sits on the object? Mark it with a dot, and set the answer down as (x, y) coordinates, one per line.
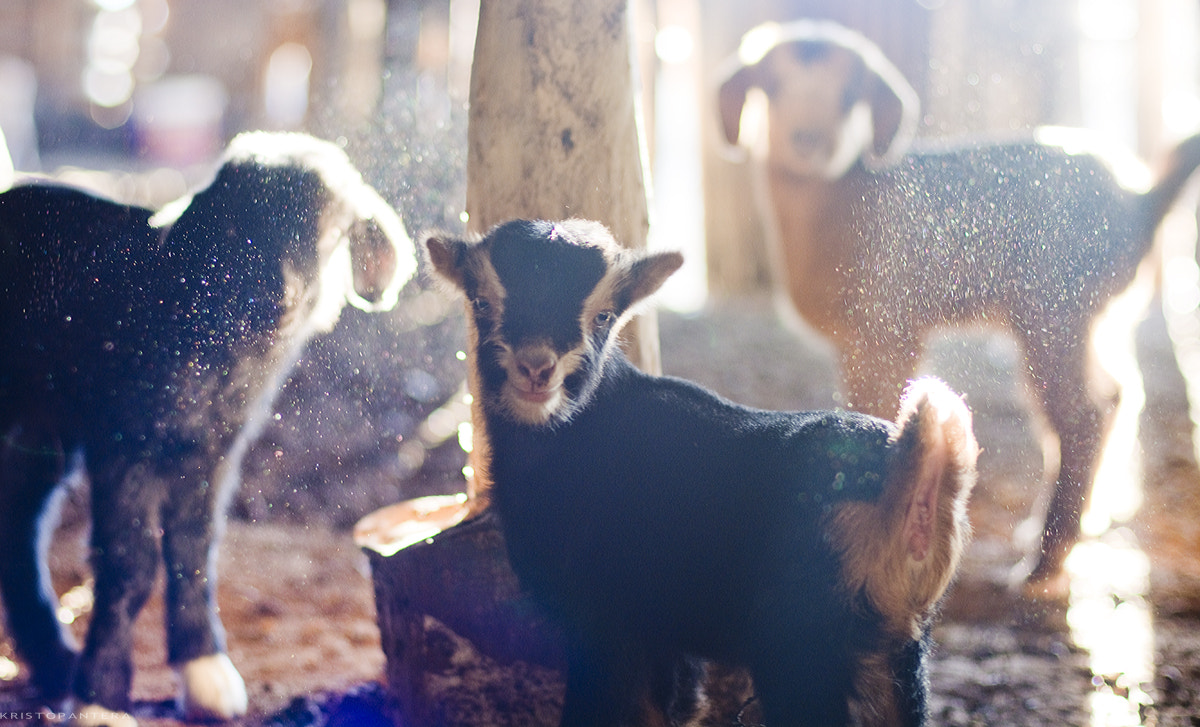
(51, 675)
(1041, 579)
(93, 715)
(212, 689)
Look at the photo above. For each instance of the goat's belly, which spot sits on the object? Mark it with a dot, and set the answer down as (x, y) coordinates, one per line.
(695, 591)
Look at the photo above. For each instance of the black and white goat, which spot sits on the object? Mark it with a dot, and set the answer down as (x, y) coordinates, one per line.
(148, 349)
(660, 522)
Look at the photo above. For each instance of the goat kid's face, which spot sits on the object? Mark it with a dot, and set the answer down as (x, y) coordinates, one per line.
(545, 303)
(363, 255)
(818, 120)
(832, 99)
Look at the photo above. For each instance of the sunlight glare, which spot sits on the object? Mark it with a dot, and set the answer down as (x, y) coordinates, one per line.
(74, 603)
(285, 86)
(112, 5)
(1117, 491)
(673, 44)
(8, 669)
(1109, 615)
(1110, 618)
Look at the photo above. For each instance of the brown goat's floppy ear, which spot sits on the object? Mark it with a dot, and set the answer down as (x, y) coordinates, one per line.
(446, 256)
(731, 96)
(895, 107)
(647, 274)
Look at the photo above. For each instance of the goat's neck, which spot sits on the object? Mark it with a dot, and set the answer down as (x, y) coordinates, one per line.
(815, 200)
(812, 235)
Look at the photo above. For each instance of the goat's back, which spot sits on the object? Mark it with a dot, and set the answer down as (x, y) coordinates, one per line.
(80, 272)
(954, 231)
(659, 492)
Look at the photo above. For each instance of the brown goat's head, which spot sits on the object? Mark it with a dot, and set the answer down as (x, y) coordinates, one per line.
(832, 98)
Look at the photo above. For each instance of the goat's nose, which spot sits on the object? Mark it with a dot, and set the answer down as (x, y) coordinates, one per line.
(536, 365)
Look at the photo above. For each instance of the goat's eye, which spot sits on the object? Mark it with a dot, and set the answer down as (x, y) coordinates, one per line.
(481, 306)
(605, 318)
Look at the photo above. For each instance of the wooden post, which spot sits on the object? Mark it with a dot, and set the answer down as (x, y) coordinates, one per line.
(553, 130)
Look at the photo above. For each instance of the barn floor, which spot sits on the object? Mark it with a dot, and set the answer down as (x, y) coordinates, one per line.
(1125, 650)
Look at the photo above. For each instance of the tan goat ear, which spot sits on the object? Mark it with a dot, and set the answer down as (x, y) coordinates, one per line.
(935, 502)
(447, 255)
(931, 503)
(920, 523)
(647, 274)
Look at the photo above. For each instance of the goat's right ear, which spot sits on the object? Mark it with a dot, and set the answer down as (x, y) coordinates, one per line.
(647, 274)
(731, 96)
(446, 255)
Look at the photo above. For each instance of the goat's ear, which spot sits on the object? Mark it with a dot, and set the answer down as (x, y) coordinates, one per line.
(895, 110)
(935, 428)
(447, 255)
(647, 274)
(731, 96)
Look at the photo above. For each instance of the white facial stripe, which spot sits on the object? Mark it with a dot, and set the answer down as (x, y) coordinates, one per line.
(537, 406)
(811, 134)
(603, 298)
(487, 284)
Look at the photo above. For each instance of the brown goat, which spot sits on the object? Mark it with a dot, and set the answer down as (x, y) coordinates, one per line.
(876, 246)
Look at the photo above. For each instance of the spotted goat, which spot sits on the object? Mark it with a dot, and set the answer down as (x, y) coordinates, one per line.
(145, 350)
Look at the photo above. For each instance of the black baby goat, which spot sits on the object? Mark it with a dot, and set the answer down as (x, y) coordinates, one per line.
(660, 523)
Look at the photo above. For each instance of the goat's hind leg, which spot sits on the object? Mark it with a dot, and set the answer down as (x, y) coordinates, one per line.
(31, 465)
(1060, 381)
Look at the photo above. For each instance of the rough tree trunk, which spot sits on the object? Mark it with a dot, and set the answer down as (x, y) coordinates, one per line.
(553, 132)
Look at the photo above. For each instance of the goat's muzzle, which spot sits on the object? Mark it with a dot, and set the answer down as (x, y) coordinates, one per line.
(536, 368)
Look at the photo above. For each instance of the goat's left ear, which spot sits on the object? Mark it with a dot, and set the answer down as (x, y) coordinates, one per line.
(895, 109)
(646, 274)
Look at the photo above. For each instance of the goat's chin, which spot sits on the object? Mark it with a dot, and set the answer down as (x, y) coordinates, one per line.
(534, 409)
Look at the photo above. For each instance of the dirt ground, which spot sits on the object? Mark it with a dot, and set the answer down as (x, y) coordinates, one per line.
(296, 595)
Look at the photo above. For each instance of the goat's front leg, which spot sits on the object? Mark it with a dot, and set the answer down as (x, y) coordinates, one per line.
(211, 685)
(1059, 369)
(608, 684)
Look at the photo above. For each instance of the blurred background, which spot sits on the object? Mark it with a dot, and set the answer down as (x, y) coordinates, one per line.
(137, 98)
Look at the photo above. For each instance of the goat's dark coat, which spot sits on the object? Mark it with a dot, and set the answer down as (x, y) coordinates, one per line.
(152, 352)
(657, 520)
